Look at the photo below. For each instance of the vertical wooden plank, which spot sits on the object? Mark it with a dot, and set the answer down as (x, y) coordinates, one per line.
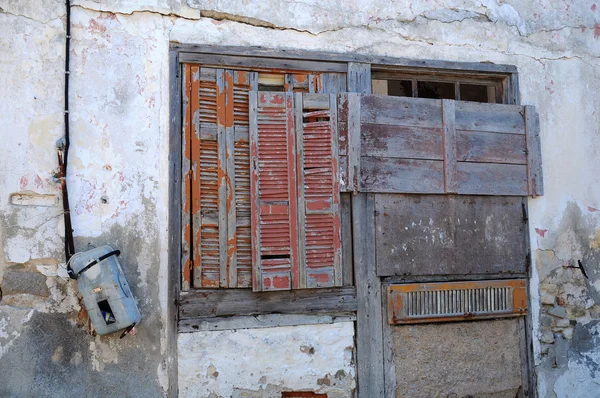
(535, 181)
(186, 154)
(415, 88)
(301, 193)
(457, 91)
(525, 374)
(222, 174)
(195, 176)
(389, 367)
(346, 226)
(335, 192)
(292, 189)
(254, 193)
(354, 142)
(448, 122)
(359, 77)
(175, 224)
(230, 202)
(369, 318)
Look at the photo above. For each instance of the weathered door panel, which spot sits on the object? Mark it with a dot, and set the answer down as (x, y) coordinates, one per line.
(420, 235)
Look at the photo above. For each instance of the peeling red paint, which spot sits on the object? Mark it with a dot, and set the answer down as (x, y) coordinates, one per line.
(593, 7)
(541, 232)
(596, 30)
(95, 27)
(23, 183)
(592, 209)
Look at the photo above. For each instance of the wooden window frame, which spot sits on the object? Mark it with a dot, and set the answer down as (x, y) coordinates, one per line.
(210, 309)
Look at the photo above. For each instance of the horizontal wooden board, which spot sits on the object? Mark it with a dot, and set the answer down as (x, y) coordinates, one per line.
(404, 63)
(449, 235)
(230, 302)
(381, 140)
(401, 175)
(477, 146)
(401, 111)
(494, 118)
(261, 321)
(491, 179)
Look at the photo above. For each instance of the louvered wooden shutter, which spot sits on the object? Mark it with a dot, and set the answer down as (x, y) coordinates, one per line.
(219, 152)
(319, 197)
(295, 191)
(274, 192)
(418, 145)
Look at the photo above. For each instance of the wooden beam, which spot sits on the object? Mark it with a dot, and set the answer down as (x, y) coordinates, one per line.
(230, 302)
(257, 63)
(262, 52)
(175, 224)
(262, 321)
(535, 182)
(369, 337)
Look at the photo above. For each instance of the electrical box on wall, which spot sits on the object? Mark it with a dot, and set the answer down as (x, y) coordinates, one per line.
(106, 293)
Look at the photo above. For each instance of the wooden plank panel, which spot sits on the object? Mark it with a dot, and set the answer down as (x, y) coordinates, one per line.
(491, 179)
(381, 140)
(477, 146)
(401, 175)
(359, 77)
(535, 179)
(450, 235)
(401, 111)
(495, 118)
(230, 302)
(369, 319)
(448, 113)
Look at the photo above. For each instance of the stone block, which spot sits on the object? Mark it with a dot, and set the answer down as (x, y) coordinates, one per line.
(557, 311)
(547, 337)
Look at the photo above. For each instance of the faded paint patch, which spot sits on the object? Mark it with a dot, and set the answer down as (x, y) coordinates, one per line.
(265, 362)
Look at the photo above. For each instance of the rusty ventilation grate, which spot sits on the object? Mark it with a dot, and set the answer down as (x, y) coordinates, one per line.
(455, 301)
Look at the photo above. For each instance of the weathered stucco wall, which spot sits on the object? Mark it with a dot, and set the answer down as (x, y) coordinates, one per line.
(265, 362)
(119, 172)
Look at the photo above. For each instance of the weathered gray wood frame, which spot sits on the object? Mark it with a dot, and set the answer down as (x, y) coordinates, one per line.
(373, 360)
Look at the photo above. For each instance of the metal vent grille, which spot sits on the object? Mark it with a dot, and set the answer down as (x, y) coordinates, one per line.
(452, 301)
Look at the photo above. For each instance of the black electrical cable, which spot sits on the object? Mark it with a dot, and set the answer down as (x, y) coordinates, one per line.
(63, 151)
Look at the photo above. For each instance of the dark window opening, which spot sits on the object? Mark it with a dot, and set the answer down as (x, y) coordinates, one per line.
(435, 90)
(477, 93)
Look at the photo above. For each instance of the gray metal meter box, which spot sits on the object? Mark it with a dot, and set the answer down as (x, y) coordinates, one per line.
(105, 290)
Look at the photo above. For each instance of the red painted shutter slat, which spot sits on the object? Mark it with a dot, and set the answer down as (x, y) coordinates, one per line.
(273, 191)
